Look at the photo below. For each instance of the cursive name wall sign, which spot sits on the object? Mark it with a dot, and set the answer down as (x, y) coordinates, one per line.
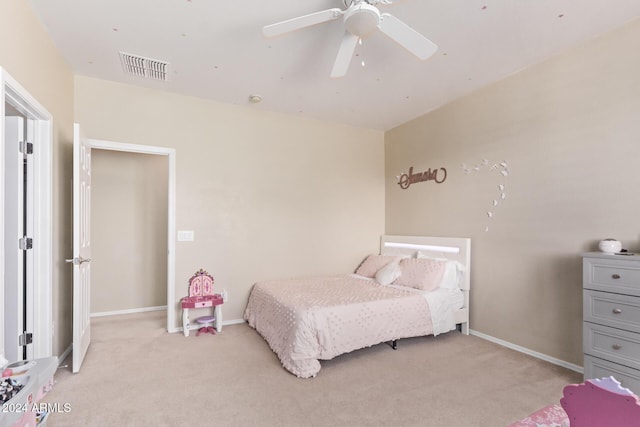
(437, 175)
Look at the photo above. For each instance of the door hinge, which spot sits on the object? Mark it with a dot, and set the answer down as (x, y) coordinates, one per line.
(25, 243)
(26, 338)
(26, 147)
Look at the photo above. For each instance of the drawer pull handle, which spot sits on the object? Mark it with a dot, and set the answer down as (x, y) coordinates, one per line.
(616, 346)
(617, 310)
(615, 276)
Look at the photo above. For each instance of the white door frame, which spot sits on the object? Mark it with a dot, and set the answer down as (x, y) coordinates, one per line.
(17, 96)
(171, 217)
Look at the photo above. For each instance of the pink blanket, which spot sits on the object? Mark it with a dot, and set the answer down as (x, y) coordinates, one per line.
(304, 320)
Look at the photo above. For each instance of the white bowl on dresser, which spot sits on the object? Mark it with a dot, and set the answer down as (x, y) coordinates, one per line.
(610, 246)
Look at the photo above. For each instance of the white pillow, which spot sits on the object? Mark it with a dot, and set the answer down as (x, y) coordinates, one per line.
(453, 271)
(387, 274)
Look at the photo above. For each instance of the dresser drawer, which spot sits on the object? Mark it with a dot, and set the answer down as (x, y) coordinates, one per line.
(612, 275)
(616, 345)
(615, 310)
(598, 368)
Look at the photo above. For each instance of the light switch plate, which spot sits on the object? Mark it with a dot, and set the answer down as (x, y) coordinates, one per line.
(185, 236)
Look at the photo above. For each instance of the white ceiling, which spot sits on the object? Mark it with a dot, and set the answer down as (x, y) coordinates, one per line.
(216, 49)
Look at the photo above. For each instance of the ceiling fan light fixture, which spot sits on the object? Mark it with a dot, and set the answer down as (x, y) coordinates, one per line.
(362, 20)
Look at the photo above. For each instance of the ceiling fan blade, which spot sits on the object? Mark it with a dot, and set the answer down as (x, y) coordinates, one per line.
(301, 22)
(345, 53)
(406, 36)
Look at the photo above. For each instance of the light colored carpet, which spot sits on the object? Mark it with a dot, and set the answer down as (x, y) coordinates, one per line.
(136, 374)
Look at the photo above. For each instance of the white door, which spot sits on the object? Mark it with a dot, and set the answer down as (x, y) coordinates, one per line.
(81, 247)
(36, 215)
(14, 307)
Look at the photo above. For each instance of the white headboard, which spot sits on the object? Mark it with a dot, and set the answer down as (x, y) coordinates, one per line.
(454, 248)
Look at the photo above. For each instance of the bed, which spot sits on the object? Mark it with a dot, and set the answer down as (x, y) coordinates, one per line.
(415, 286)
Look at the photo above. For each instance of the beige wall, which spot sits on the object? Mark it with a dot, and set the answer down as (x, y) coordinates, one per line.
(267, 195)
(27, 53)
(128, 230)
(569, 130)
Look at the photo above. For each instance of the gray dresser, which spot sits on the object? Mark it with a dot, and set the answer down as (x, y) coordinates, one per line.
(611, 313)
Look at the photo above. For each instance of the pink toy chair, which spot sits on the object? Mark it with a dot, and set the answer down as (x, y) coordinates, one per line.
(594, 403)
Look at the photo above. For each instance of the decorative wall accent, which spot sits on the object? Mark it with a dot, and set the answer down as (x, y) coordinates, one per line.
(406, 179)
(502, 169)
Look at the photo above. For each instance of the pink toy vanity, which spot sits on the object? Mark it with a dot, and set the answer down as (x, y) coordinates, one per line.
(201, 295)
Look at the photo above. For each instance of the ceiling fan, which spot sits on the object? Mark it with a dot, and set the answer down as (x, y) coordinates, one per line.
(361, 18)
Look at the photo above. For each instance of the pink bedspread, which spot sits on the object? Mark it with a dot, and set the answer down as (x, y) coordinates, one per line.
(305, 320)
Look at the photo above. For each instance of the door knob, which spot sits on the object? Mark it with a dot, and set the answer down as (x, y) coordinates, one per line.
(77, 261)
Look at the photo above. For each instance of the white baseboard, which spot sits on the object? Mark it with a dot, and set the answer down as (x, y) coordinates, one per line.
(525, 350)
(64, 355)
(130, 311)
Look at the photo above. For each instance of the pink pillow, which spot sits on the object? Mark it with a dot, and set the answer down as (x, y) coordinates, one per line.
(373, 263)
(421, 273)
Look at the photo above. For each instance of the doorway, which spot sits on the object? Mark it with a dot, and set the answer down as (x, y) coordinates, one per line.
(170, 164)
(128, 232)
(25, 224)
(18, 224)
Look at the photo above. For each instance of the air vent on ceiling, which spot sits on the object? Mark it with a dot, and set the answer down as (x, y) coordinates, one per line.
(144, 67)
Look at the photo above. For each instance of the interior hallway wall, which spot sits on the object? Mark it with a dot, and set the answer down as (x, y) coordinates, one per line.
(129, 231)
